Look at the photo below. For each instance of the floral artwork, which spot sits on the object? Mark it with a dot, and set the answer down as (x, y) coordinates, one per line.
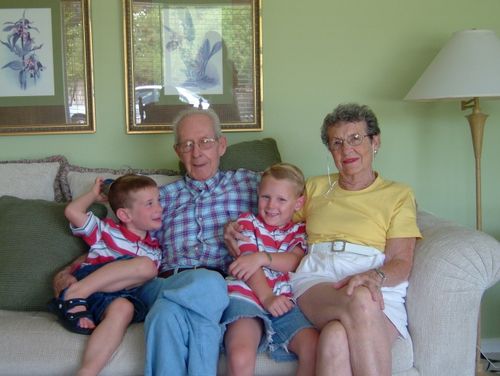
(193, 54)
(25, 57)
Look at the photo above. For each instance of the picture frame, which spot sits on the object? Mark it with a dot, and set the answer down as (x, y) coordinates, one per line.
(192, 53)
(46, 67)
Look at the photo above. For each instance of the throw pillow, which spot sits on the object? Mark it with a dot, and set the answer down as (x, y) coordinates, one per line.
(36, 243)
(76, 180)
(33, 178)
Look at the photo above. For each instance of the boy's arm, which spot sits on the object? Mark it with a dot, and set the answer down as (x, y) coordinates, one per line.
(285, 261)
(76, 210)
(276, 305)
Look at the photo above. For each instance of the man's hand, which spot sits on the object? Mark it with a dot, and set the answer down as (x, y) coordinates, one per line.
(277, 305)
(232, 233)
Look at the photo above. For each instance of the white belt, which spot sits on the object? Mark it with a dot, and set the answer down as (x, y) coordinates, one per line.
(342, 246)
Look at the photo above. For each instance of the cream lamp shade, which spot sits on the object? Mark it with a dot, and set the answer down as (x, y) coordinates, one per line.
(468, 66)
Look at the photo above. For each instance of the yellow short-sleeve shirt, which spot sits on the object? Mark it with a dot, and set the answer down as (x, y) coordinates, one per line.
(370, 216)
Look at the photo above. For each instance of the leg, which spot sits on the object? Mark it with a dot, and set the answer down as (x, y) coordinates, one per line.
(370, 340)
(107, 336)
(303, 344)
(333, 357)
(182, 328)
(242, 340)
(113, 276)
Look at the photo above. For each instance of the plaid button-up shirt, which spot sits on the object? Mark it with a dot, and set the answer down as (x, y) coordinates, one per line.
(194, 215)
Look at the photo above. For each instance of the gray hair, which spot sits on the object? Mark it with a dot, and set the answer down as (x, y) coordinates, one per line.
(350, 113)
(196, 111)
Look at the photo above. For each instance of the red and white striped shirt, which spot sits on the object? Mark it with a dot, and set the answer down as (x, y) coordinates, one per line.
(109, 241)
(272, 239)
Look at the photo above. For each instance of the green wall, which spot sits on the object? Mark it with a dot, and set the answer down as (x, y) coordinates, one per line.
(319, 53)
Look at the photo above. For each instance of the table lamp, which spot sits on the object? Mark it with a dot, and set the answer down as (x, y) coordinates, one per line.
(467, 68)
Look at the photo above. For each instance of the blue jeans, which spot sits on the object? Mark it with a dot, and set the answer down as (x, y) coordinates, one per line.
(182, 327)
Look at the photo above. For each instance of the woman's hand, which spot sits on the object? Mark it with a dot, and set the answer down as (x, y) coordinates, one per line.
(246, 265)
(232, 233)
(369, 279)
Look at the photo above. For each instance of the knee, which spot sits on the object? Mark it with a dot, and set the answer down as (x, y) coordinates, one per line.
(146, 268)
(362, 306)
(120, 309)
(333, 340)
(240, 356)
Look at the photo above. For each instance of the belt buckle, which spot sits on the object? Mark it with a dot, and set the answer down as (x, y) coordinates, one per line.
(338, 246)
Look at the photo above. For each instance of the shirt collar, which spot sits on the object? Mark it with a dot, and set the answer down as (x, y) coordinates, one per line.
(203, 185)
(270, 228)
(134, 238)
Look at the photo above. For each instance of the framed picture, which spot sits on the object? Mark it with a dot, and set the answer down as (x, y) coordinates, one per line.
(46, 67)
(192, 53)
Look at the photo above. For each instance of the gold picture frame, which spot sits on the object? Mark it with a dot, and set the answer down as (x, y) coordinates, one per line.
(46, 67)
(192, 53)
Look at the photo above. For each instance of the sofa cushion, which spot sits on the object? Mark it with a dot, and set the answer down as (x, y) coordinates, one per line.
(254, 155)
(36, 242)
(19, 178)
(76, 180)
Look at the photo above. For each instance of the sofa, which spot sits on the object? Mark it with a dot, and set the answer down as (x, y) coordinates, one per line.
(453, 267)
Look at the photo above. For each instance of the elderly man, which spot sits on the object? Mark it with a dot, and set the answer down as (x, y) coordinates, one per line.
(182, 326)
(186, 302)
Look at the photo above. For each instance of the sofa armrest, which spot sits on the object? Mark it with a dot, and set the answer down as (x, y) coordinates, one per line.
(453, 266)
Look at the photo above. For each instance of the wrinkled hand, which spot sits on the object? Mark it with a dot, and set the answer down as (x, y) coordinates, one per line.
(245, 266)
(369, 279)
(277, 305)
(62, 280)
(232, 233)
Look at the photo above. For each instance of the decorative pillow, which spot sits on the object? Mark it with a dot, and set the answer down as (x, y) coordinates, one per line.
(76, 180)
(256, 155)
(36, 243)
(33, 178)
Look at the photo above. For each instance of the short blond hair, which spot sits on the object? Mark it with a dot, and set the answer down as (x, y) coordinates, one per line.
(288, 171)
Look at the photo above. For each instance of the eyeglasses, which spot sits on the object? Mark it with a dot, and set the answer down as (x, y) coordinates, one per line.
(203, 144)
(354, 139)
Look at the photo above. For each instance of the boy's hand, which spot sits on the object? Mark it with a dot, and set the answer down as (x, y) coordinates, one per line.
(97, 190)
(246, 265)
(277, 305)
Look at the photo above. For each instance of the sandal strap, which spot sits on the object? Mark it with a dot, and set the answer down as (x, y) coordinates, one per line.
(71, 303)
(72, 316)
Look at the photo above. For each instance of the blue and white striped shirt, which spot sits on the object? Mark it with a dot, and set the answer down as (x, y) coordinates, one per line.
(194, 215)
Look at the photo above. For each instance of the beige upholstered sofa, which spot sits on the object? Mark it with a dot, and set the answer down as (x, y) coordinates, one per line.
(453, 266)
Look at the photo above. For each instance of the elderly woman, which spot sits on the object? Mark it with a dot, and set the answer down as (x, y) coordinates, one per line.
(361, 232)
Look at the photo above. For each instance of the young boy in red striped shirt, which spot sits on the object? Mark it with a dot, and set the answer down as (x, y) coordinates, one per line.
(261, 315)
(102, 301)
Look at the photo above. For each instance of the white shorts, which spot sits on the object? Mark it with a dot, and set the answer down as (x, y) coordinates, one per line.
(334, 261)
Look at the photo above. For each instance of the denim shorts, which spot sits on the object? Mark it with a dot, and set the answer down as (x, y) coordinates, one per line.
(98, 302)
(278, 330)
